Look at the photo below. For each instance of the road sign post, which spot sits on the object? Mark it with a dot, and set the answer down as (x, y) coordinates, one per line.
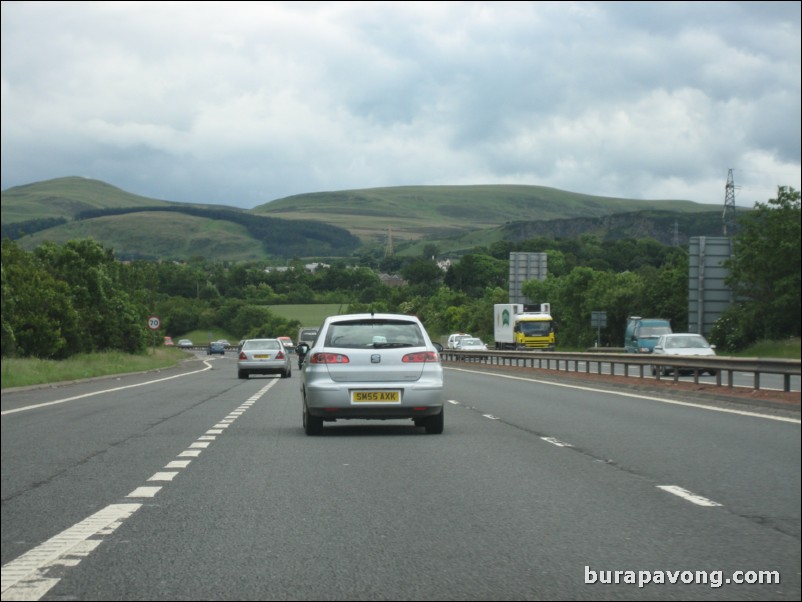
(154, 324)
(598, 320)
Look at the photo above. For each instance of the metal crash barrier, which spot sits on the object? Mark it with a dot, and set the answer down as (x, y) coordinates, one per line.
(623, 364)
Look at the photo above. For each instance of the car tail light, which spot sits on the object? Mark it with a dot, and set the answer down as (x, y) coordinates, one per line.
(329, 358)
(421, 356)
(242, 355)
(280, 355)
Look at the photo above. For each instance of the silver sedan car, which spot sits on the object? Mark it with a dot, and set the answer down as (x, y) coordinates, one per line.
(372, 366)
(263, 356)
(681, 344)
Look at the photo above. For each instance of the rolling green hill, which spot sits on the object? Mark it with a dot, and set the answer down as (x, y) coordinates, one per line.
(417, 212)
(334, 224)
(66, 197)
(138, 227)
(163, 235)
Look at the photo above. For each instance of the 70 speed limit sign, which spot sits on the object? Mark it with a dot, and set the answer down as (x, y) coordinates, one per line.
(154, 322)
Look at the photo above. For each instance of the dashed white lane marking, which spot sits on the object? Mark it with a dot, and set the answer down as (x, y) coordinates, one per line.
(636, 395)
(190, 453)
(25, 577)
(163, 476)
(144, 492)
(673, 489)
(28, 577)
(688, 495)
(557, 442)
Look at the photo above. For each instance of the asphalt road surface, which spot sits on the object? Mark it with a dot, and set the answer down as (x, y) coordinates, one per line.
(191, 484)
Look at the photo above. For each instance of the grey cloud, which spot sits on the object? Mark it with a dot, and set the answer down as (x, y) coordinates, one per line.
(241, 103)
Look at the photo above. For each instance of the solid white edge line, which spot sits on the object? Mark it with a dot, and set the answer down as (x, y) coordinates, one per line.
(636, 396)
(59, 401)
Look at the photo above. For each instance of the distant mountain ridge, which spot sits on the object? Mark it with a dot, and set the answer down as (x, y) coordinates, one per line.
(66, 197)
(415, 212)
(335, 224)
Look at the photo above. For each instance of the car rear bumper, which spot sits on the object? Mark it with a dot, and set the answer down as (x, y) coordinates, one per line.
(334, 401)
(263, 367)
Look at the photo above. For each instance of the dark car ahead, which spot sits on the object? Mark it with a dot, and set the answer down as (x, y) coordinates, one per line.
(216, 347)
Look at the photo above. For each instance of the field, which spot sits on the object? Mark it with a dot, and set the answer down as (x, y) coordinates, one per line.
(308, 315)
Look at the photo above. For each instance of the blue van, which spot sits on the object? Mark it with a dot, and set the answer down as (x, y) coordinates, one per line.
(642, 333)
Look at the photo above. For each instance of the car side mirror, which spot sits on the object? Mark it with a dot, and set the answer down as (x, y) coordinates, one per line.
(438, 346)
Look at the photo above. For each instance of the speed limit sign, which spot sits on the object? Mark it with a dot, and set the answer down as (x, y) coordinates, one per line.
(154, 322)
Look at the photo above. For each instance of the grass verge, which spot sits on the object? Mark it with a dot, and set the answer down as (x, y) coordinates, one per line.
(25, 372)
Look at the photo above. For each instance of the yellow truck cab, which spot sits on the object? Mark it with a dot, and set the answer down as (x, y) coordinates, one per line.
(517, 326)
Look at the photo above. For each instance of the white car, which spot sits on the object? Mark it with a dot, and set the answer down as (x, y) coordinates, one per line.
(471, 344)
(263, 356)
(682, 344)
(453, 339)
(372, 366)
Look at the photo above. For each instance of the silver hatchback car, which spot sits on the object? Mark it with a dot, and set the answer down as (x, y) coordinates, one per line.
(263, 356)
(372, 366)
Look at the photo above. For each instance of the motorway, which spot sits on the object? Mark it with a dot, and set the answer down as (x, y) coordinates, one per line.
(190, 484)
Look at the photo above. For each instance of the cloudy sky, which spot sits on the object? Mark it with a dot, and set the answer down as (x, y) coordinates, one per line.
(241, 103)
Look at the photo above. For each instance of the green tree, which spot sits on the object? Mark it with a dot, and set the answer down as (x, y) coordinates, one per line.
(765, 273)
(38, 318)
(108, 317)
(649, 291)
(475, 272)
(423, 272)
(252, 321)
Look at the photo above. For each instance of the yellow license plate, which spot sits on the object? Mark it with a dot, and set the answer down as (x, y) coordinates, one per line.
(261, 356)
(375, 397)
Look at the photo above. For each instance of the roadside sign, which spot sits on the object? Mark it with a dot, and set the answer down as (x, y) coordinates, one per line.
(598, 319)
(154, 322)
